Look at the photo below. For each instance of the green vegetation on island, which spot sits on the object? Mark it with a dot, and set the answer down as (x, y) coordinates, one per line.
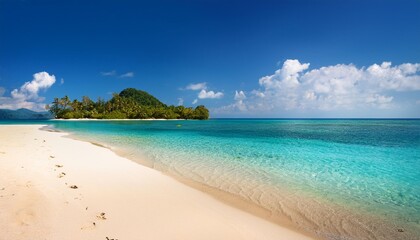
(129, 104)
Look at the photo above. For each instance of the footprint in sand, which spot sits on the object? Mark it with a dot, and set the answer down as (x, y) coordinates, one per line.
(58, 165)
(80, 197)
(11, 195)
(89, 226)
(52, 156)
(92, 225)
(101, 216)
(62, 174)
(73, 187)
(25, 217)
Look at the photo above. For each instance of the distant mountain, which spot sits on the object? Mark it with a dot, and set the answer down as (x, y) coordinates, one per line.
(141, 97)
(22, 114)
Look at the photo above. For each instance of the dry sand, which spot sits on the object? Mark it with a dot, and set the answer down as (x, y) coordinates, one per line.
(53, 187)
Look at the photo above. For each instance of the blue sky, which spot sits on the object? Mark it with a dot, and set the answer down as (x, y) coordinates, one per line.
(239, 58)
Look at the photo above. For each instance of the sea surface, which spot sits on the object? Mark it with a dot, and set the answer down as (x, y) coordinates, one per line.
(337, 178)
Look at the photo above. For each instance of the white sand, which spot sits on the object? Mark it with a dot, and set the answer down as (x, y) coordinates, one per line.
(138, 202)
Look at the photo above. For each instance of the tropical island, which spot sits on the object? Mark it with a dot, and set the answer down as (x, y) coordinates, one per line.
(130, 103)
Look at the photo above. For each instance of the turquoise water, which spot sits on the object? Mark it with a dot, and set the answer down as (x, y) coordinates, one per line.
(317, 172)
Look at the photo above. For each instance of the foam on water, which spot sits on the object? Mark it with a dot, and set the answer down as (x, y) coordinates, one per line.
(342, 179)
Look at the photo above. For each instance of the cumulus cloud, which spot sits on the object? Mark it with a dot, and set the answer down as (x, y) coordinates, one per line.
(27, 96)
(239, 95)
(237, 105)
(239, 101)
(127, 75)
(203, 94)
(209, 94)
(285, 77)
(331, 88)
(258, 93)
(29, 90)
(404, 77)
(197, 86)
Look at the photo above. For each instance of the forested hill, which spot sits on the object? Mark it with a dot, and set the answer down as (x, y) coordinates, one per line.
(141, 97)
(128, 104)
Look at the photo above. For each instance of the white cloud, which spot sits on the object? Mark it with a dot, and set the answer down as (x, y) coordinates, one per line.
(180, 101)
(110, 73)
(197, 86)
(238, 105)
(62, 81)
(239, 101)
(285, 77)
(258, 93)
(203, 94)
(209, 94)
(341, 87)
(27, 95)
(379, 100)
(399, 78)
(29, 90)
(13, 104)
(114, 73)
(127, 75)
(239, 95)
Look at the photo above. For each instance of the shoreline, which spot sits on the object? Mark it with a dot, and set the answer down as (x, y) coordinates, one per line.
(118, 119)
(354, 224)
(103, 195)
(218, 194)
(366, 228)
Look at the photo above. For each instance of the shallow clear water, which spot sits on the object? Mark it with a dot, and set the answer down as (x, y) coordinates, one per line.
(369, 168)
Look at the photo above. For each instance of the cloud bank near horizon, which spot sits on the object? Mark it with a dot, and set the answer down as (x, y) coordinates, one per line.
(27, 96)
(343, 87)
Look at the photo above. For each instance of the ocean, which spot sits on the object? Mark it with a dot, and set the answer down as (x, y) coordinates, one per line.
(337, 178)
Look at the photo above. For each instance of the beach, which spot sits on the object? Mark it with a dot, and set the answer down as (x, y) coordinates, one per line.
(53, 187)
